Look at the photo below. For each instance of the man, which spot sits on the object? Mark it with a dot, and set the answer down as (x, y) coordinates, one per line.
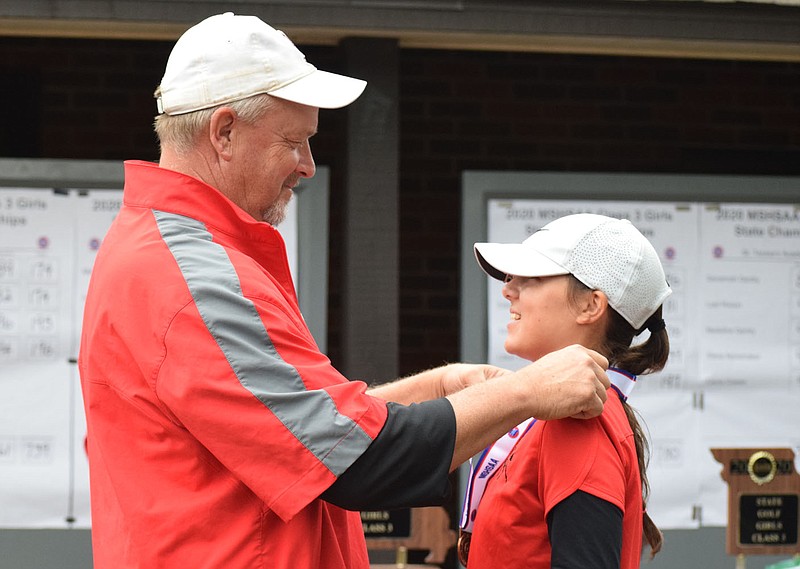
(218, 434)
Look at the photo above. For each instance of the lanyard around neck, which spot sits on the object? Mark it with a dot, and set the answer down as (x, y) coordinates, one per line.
(487, 463)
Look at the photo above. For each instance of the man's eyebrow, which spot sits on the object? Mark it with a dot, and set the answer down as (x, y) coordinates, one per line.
(302, 134)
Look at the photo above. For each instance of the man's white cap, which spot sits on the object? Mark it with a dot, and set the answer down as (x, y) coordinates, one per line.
(227, 57)
(604, 253)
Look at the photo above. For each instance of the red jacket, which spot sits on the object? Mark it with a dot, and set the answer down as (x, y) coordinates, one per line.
(214, 422)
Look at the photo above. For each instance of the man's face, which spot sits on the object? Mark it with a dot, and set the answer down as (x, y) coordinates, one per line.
(270, 157)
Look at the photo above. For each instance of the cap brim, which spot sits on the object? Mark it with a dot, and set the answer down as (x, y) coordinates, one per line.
(322, 89)
(501, 259)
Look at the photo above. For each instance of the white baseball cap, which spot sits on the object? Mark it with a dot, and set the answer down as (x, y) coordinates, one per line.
(604, 253)
(228, 57)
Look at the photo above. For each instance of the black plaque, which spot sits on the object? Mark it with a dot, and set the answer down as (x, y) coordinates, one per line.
(386, 524)
(768, 519)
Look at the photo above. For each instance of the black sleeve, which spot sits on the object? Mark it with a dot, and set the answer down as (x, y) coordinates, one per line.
(407, 465)
(585, 531)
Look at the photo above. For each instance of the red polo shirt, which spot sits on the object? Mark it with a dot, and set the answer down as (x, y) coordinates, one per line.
(552, 461)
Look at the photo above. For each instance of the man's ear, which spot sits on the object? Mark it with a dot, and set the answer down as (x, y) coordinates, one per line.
(593, 307)
(219, 131)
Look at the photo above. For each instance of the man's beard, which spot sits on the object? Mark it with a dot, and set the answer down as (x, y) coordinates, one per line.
(276, 212)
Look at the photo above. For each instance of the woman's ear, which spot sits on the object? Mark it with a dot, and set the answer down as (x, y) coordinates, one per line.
(593, 307)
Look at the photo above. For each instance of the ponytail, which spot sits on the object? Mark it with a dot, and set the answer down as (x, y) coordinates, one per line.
(648, 357)
(652, 534)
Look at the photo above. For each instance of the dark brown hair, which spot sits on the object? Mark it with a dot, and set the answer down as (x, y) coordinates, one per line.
(646, 357)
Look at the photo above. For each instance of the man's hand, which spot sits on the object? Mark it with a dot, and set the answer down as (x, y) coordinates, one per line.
(570, 382)
(456, 377)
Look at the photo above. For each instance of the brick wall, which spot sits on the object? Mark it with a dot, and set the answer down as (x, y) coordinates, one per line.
(95, 97)
(87, 99)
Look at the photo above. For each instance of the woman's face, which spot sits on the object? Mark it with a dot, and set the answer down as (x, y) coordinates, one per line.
(542, 317)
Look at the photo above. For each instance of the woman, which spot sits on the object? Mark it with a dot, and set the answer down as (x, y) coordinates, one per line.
(571, 493)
